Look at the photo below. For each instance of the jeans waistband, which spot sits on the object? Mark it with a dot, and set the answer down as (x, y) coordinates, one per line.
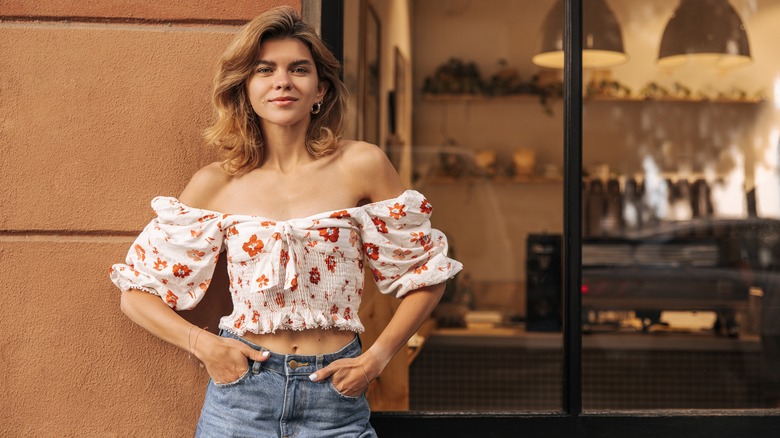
(296, 364)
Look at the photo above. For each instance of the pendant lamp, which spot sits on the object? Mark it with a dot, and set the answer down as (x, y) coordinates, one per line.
(602, 41)
(710, 30)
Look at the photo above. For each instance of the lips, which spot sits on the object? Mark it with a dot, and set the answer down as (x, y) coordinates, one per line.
(284, 99)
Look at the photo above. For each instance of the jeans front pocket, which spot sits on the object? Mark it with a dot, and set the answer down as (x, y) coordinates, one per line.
(342, 396)
(235, 382)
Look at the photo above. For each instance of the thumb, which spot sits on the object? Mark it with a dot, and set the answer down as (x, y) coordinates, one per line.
(257, 356)
(322, 374)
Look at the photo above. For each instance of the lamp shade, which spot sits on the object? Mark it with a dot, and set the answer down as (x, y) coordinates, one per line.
(602, 44)
(704, 29)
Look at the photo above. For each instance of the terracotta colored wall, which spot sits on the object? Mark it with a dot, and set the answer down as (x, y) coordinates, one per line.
(98, 114)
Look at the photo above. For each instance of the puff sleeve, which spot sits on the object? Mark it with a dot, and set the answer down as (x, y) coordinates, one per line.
(174, 256)
(402, 250)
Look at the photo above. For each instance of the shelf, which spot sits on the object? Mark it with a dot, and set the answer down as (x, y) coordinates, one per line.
(480, 98)
(465, 98)
(532, 179)
(670, 100)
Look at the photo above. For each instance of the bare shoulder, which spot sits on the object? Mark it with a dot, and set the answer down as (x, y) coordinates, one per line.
(371, 169)
(205, 185)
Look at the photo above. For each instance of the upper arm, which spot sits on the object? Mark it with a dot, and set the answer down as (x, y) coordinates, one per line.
(375, 174)
(204, 186)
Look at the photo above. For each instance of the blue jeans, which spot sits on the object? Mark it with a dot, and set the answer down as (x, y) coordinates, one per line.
(275, 398)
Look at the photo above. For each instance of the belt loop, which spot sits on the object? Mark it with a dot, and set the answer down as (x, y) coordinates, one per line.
(255, 367)
(320, 358)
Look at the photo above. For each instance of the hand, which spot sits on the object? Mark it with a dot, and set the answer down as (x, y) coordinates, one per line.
(226, 359)
(349, 376)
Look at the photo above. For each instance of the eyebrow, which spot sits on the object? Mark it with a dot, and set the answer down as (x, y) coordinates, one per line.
(294, 63)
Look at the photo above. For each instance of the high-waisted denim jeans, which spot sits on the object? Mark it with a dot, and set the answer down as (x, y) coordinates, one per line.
(275, 398)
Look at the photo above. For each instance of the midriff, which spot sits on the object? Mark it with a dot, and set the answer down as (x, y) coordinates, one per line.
(304, 342)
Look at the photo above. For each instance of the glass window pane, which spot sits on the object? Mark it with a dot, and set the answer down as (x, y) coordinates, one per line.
(471, 122)
(681, 202)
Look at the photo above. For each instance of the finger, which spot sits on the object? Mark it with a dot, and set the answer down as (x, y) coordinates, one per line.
(258, 356)
(322, 374)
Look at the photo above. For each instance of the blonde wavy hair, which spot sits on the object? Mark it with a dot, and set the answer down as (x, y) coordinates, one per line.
(236, 131)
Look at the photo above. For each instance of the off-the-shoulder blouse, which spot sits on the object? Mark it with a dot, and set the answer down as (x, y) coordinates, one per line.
(290, 275)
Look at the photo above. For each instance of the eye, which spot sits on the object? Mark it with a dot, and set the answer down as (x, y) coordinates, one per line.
(300, 70)
(263, 70)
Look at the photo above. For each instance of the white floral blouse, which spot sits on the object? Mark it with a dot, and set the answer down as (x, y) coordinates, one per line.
(290, 275)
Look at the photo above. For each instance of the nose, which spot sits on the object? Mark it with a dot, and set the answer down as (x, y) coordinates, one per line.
(283, 82)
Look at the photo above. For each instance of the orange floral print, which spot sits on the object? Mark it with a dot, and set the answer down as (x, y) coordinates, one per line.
(381, 225)
(140, 252)
(232, 231)
(400, 253)
(340, 214)
(426, 207)
(205, 285)
(171, 298)
(181, 271)
(314, 275)
(347, 313)
(240, 321)
(397, 211)
(284, 258)
(371, 251)
(262, 281)
(330, 262)
(377, 275)
(253, 246)
(279, 299)
(422, 268)
(160, 264)
(255, 316)
(294, 283)
(334, 310)
(196, 255)
(207, 217)
(267, 224)
(423, 239)
(329, 234)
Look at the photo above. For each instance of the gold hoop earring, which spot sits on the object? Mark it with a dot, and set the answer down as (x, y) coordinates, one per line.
(316, 108)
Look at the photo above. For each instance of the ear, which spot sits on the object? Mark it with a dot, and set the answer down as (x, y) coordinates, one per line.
(322, 89)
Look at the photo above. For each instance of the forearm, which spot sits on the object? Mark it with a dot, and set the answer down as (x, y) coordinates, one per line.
(151, 313)
(414, 309)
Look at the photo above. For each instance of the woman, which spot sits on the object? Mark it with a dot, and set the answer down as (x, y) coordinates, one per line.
(298, 211)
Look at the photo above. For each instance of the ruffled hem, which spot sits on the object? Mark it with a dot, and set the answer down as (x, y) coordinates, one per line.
(440, 269)
(124, 283)
(286, 319)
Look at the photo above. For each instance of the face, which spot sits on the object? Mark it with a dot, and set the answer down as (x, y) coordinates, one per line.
(284, 85)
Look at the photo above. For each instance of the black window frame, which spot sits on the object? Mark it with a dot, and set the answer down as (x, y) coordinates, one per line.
(570, 421)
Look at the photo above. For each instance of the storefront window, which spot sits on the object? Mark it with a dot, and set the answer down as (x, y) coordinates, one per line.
(681, 211)
(680, 197)
(488, 153)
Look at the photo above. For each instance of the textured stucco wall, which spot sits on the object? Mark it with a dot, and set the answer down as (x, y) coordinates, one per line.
(101, 108)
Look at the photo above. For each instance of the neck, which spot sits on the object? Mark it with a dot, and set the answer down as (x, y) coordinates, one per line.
(285, 146)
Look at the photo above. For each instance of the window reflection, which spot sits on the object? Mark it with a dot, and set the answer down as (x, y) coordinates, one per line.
(681, 211)
(681, 223)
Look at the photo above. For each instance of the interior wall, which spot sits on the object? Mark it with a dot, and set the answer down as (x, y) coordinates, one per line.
(487, 223)
(103, 104)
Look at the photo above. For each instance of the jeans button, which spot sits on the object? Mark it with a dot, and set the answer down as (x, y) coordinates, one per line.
(293, 364)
